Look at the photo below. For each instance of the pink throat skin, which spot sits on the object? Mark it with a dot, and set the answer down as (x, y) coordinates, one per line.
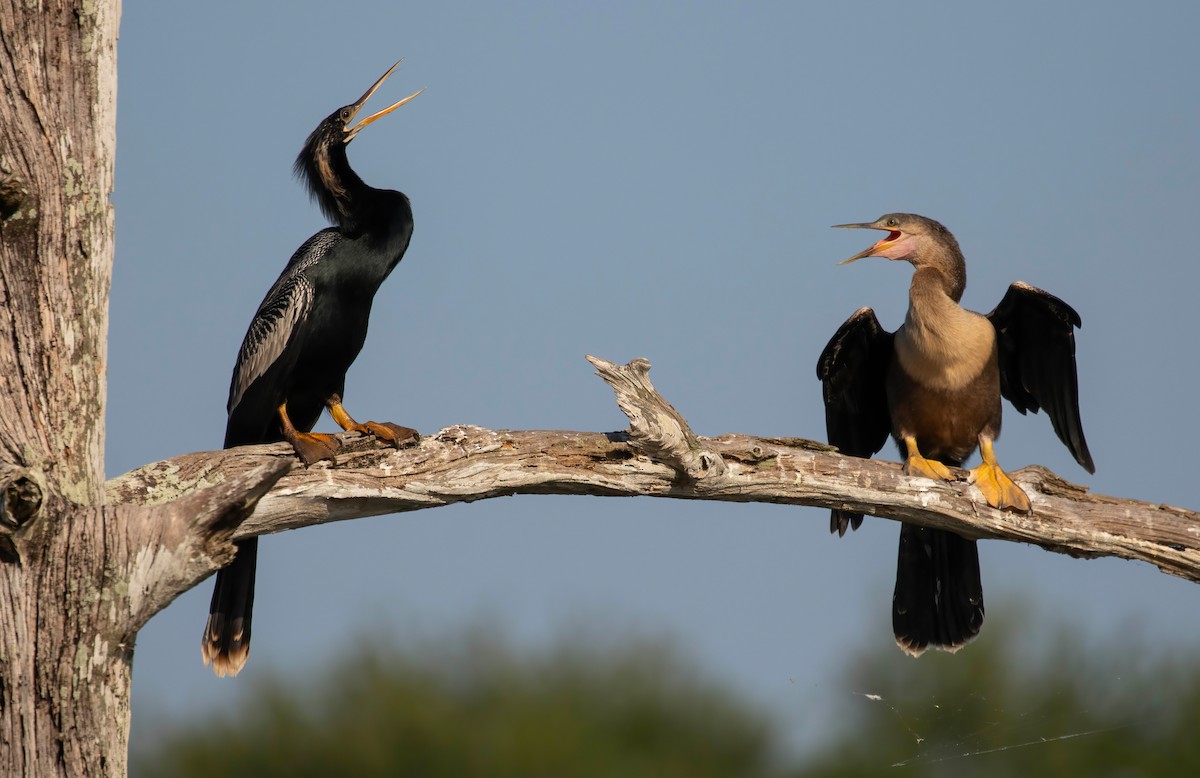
(895, 248)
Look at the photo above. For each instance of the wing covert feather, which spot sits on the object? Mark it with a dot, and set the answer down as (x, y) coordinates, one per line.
(853, 372)
(287, 303)
(270, 332)
(1035, 334)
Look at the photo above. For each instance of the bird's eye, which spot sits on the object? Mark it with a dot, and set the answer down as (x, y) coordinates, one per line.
(892, 222)
(345, 114)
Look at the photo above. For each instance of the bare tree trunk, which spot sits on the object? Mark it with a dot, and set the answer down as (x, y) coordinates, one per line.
(75, 574)
(64, 663)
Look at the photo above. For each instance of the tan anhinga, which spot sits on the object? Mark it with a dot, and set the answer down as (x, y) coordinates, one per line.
(304, 337)
(935, 386)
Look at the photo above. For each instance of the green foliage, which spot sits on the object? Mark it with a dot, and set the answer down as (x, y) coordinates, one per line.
(992, 710)
(998, 708)
(482, 711)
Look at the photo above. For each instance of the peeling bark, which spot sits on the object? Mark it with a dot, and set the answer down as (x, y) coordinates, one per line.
(465, 463)
(64, 648)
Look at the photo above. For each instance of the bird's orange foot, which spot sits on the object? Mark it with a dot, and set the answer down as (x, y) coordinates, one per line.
(312, 447)
(917, 465)
(998, 489)
(390, 433)
(385, 431)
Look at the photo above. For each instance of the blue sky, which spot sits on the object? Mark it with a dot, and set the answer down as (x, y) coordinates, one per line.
(655, 180)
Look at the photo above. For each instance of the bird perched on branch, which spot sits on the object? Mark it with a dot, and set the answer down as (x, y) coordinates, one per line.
(935, 385)
(303, 339)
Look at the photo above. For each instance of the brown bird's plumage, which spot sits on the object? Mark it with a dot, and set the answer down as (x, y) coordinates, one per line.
(935, 385)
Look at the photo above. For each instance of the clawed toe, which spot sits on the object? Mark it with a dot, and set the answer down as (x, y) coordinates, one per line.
(314, 447)
(394, 434)
(998, 489)
(927, 468)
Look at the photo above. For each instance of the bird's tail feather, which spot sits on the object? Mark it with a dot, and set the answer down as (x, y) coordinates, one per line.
(226, 641)
(840, 521)
(938, 602)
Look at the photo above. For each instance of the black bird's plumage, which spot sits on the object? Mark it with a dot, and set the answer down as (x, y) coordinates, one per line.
(939, 597)
(305, 335)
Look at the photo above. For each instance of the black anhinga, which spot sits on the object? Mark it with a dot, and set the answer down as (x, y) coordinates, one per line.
(303, 339)
(935, 385)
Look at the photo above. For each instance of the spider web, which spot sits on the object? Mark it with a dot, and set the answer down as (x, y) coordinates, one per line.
(977, 742)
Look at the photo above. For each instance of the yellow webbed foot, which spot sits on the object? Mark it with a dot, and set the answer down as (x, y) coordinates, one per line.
(927, 468)
(998, 489)
(917, 465)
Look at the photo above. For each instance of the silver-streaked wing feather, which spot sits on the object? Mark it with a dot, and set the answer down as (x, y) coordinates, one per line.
(286, 304)
(269, 333)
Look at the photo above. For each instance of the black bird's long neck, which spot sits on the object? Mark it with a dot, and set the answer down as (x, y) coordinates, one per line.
(380, 219)
(342, 196)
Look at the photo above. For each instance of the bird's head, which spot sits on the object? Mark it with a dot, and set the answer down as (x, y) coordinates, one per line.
(909, 237)
(339, 127)
(322, 163)
(919, 240)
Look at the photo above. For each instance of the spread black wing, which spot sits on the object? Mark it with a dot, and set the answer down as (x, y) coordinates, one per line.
(853, 372)
(1036, 340)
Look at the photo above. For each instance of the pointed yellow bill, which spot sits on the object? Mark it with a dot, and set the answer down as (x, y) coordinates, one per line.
(357, 105)
(892, 235)
(355, 129)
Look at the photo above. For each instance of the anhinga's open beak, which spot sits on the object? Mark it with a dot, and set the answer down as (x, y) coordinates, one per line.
(357, 105)
(877, 246)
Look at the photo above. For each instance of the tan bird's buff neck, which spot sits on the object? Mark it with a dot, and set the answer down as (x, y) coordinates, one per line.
(941, 344)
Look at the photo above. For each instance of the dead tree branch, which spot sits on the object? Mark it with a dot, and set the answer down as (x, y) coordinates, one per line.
(659, 456)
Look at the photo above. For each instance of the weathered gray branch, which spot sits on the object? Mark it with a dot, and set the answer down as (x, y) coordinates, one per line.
(657, 430)
(174, 547)
(466, 463)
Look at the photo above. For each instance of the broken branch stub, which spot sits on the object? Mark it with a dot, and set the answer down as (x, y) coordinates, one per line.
(656, 429)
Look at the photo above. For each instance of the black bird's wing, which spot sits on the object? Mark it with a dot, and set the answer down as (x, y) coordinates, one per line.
(271, 341)
(1035, 333)
(853, 372)
(270, 331)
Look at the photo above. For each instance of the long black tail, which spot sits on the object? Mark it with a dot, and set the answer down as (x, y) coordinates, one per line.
(226, 641)
(938, 602)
